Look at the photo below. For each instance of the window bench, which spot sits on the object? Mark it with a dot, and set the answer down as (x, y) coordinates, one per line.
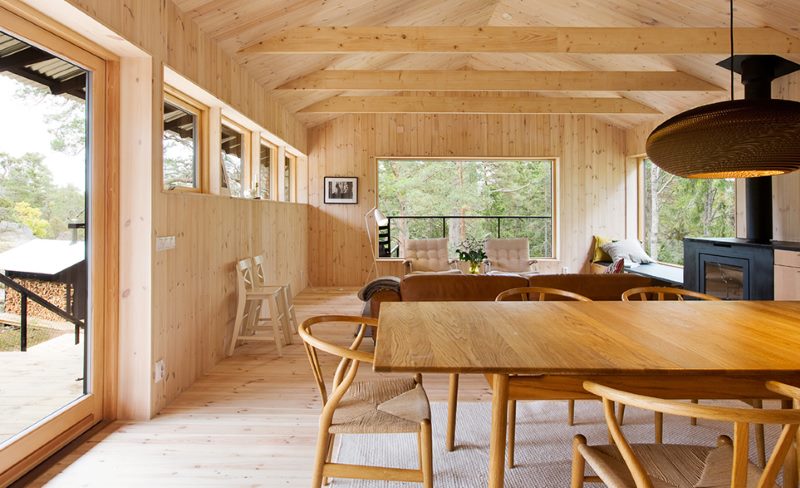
(664, 272)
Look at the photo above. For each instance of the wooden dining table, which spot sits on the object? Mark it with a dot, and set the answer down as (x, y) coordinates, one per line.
(545, 350)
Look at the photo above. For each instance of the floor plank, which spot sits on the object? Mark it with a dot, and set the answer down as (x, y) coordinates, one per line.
(252, 421)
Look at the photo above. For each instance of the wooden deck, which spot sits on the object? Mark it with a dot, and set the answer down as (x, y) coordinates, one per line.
(252, 421)
(35, 383)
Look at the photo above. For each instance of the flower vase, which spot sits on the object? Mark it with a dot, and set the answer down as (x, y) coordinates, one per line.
(474, 267)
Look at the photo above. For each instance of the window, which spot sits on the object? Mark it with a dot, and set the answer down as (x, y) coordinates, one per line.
(674, 208)
(288, 177)
(181, 142)
(264, 183)
(468, 198)
(233, 159)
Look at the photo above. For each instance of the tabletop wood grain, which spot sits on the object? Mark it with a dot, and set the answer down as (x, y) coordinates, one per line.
(589, 338)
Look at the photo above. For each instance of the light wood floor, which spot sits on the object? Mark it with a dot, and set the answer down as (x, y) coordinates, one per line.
(252, 421)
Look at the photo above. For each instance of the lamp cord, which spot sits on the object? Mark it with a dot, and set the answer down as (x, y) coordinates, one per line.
(732, 61)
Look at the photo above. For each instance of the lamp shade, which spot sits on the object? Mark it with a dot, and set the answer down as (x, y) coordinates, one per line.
(732, 139)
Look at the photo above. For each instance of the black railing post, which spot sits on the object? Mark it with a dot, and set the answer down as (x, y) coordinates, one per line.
(23, 322)
(498, 227)
(444, 226)
(389, 235)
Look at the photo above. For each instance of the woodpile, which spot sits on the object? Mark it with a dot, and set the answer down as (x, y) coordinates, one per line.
(55, 293)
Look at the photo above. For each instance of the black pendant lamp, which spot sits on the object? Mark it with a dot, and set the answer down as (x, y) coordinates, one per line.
(757, 136)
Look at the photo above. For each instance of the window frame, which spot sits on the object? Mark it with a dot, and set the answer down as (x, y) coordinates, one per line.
(554, 186)
(185, 102)
(291, 159)
(273, 168)
(246, 165)
(641, 200)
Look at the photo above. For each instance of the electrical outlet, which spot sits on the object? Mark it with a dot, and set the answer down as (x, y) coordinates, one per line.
(160, 371)
(564, 270)
(165, 242)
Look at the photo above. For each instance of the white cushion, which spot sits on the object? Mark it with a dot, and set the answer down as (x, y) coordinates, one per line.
(630, 250)
(428, 254)
(510, 255)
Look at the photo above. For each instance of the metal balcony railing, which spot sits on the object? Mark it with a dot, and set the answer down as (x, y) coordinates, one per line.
(537, 228)
(27, 294)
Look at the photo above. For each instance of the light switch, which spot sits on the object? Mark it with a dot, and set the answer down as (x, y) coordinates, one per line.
(165, 242)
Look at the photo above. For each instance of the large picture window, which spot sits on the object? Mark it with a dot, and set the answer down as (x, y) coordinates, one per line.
(674, 208)
(458, 199)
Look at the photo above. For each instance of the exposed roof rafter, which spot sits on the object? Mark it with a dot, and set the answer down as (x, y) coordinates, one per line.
(484, 105)
(587, 40)
(472, 80)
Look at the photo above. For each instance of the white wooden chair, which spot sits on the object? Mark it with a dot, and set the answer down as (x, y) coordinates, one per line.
(250, 299)
(286, 292)
(509, 256)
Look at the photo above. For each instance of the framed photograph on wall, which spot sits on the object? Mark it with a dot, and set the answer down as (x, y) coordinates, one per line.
(341, 189)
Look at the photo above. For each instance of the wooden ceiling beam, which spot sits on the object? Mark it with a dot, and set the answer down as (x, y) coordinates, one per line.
(478, 105)
(342, 80)
(587, 40)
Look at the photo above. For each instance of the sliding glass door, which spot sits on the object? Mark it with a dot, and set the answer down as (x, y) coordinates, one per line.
(52, 241)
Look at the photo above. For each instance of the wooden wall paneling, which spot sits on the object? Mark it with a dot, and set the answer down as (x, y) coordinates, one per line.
(136, 244)
(591, 187)
(786, 188)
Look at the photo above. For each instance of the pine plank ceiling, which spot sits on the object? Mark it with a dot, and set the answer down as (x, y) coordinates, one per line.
(237, 24)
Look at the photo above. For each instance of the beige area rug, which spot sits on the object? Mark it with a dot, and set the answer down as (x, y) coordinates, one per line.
(543, 453)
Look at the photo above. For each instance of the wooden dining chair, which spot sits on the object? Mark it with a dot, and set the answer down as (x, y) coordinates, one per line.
(683, 466)
(534, 293)
(382, 406)
(285, 299)
(660, 293)
(249, 301)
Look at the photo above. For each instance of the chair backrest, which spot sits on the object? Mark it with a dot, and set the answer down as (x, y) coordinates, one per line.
(598, 287)
(427, 254)
(660, 293)
(508, 254)
(740, 417)
(258, 270)
(540, 294)
(350, 357)
(244, 275)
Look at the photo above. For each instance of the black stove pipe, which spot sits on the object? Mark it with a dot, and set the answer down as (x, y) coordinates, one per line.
(757, 75)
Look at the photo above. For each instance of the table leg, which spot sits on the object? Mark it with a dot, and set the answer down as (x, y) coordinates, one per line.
(497, 443)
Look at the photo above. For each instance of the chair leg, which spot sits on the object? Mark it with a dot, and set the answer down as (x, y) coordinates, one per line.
(325, 480)
(621, 413)
(426, 454)
(323, 440)
(760, 444)
(658, 420)
(283, 309)
(570, 412)
(452, 407)
(693, 420)
(274, 317)
(578, 463)
(237, 324)
(512, 428)
(290, 308)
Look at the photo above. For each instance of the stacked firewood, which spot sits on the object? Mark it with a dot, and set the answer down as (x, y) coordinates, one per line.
(55, 293)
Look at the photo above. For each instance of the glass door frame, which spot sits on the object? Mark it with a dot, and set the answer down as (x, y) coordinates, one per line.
(25, 450)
